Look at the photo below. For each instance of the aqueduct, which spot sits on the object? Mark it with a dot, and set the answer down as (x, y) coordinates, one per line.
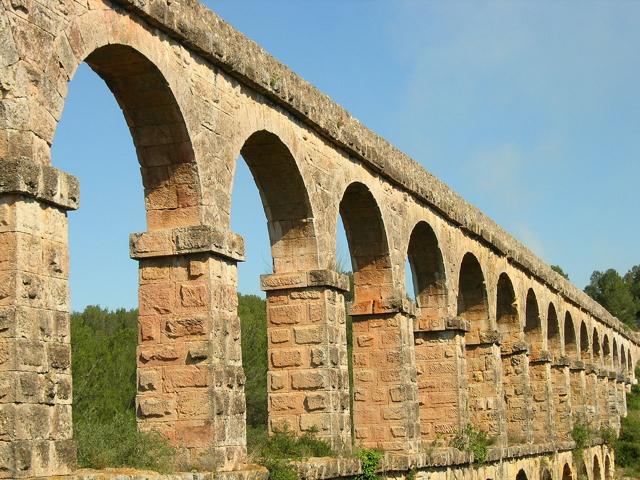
(495, 338)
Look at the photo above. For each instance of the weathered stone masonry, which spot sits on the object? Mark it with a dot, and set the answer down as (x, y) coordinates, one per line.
(495, 338)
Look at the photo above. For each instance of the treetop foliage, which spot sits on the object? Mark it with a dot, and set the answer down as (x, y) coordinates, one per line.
(619, 295)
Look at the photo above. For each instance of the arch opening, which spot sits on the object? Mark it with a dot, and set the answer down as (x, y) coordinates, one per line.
(533, 325)
(171, 196)
(522, 475)
(428, 277)
(507, 313)
(482, 367)
(382, 334)
(472, 297)
(570, 347)
(595, 348)
(584, 342)
(554, 341)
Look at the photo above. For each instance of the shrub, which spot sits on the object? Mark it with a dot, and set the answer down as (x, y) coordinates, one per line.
(474, 441)
(275, 451)
(370, 460)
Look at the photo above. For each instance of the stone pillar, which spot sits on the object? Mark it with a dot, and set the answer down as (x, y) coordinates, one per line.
(620, 400)
(577, 381)
(541, 396)
(516, 392)
(386, 412)
(35, 351)
(439, 352)
(308, 382)
(612, 404)
(591, 396)
(190, 377)
(602, 387)
(562, 399)
(484, 390)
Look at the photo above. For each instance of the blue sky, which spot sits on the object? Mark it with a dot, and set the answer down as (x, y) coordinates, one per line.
(529, 110)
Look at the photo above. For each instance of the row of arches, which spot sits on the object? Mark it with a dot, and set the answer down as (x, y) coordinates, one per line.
(188, 315)
(571, 471)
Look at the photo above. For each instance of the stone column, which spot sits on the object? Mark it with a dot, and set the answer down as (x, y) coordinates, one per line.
(308, 382)
(612, 404)
(35, 351)
(620, 400)
(562, 399)
(484, 389)
(591, 395)
(541, 396)
(602, 387)
(516, 392)
(577, 381)
(386, 412)
(439, 352)
(190, 377)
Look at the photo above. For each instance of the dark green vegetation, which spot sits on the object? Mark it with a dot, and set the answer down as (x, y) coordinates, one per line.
(620, 295)
(104, 377)
(474, 441)
(627, 447)
(104, 390)
(558, 269)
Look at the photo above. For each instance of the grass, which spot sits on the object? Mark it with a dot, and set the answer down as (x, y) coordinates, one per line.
(477, 442)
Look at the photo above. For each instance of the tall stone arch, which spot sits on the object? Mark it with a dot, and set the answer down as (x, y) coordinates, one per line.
(514, 363)
(386, 412)
(539, 371)
(482, 351)
(559, 376)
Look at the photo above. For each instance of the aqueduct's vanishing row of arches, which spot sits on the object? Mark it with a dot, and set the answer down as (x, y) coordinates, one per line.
(494, 339)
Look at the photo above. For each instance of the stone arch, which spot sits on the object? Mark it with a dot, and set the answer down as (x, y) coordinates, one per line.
(567, 473)
(584, 341)
(472, 296)
(538, 374)
(608, 468)
(513, 360)
(615, 357)
(507, 312)
(163, 145)
(482, 364)
(623, 361)
(596, 348)
(554, 339)
(521, 475)
(606, 351)
(428, 274)
(382, 332)
(368, 247)
(597, 472)
(285, 201)
(533, 325)
(570, 345)
(173, 199)
(545, 474)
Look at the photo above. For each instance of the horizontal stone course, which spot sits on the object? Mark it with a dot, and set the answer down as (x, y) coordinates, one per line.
(41, 182)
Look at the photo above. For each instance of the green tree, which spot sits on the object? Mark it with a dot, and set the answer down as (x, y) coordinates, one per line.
(252, 311)
(558, 269)
(612, 292)
(632, 279)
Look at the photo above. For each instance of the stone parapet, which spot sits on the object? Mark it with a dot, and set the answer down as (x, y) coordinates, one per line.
(185, 241)
(42, 182)
(297, 280)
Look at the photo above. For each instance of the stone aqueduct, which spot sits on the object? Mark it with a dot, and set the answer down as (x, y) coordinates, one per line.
(495, 339)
